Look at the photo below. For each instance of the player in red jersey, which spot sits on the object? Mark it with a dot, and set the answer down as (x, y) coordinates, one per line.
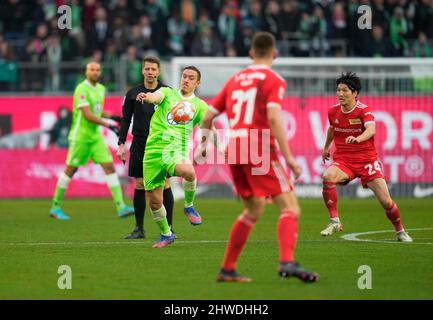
(252, 99)
(352, 128)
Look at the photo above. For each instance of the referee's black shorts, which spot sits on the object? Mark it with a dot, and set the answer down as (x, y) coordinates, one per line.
(136, 158)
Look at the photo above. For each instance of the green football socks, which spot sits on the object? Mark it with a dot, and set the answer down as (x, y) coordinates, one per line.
(116, 190)
(62, 185)
(189, 190)
(160, 217)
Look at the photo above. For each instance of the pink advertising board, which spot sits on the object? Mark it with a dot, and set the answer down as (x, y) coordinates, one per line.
(404, 139)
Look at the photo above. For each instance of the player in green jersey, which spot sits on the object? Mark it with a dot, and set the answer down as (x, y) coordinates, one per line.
(167, 148)
(86, 141)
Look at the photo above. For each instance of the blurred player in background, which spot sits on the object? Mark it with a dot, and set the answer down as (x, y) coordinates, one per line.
(252, 99)
(142, 113)
(167, 148)
(86, 141)
(352, 128)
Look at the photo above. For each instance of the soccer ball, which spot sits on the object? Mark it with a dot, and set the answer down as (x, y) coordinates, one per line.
(182, 112)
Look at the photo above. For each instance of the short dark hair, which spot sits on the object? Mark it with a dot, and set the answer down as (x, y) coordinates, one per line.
(195, 69)
(351, 80)
(263, 44)
(151, 59)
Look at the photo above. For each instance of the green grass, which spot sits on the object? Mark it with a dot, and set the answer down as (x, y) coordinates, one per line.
(104, 266)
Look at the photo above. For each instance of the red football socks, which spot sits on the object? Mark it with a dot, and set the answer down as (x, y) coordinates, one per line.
(287, 235)
(393, 215)
(238, 237)
(330, 197)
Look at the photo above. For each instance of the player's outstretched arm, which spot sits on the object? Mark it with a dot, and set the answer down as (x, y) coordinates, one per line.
(279, 133)
(326, 154)
(150, 97)
(370, 131)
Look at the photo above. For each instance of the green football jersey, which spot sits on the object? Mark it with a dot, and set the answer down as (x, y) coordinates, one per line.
(86, 94)
(165, 133)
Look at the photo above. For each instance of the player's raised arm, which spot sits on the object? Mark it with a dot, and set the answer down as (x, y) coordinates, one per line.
(151, 97)
(278, 131)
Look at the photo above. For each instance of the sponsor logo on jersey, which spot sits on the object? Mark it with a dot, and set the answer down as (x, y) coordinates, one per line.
(355, 121)
(347, 130)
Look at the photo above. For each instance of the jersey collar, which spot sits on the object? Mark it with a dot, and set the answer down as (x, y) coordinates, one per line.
(185, 98)
(89, 84)
(346, 112)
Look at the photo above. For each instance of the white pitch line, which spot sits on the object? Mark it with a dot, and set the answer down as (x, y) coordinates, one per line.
(354, 237)
(139, 242)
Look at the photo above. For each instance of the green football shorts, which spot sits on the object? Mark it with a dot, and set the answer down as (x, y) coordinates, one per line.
(156, 168)
(81, 151)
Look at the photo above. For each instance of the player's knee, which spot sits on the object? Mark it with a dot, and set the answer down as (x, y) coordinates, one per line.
(70, 171)
(294, 209)
(257, 210)
(254, 214)
(155, 204)
(189, 175)
(329, 177)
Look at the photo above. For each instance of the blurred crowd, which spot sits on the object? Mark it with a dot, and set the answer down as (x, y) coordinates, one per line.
(110, 30)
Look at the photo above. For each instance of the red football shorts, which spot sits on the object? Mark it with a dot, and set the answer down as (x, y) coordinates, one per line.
(272, 183)
(367, 171)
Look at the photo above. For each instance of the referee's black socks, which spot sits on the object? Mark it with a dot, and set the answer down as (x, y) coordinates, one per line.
(168, 204)
(139, 206)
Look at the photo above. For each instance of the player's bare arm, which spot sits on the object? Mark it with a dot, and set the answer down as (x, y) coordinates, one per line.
(326, 153)
(370, 131)
(89, 116)
(106, 115)
(150, 97)
(277, 128)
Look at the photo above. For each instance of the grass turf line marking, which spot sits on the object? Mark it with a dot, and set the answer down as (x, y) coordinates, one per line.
(140, 242)
(354, 237)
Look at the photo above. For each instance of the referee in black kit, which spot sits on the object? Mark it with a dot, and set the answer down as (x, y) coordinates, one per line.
(140, 130)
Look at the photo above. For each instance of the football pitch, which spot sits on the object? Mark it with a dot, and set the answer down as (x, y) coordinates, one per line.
(105, 266)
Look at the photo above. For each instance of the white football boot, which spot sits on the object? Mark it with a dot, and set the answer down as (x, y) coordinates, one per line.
(332, 227)
(402, 236)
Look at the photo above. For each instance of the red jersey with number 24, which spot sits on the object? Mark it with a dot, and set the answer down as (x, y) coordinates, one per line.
(245, 98)
(352, 123)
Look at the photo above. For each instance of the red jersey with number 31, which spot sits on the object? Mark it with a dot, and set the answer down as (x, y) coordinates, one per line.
(352, 123)
(245, 98)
